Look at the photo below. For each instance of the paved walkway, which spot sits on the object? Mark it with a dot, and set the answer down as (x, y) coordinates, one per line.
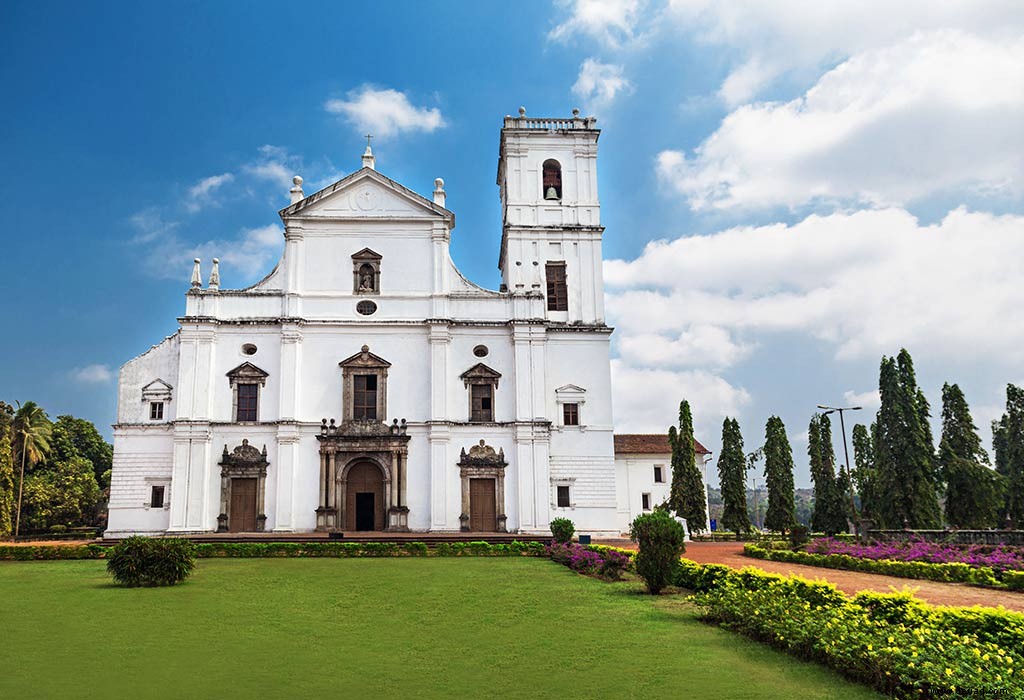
(731, 554)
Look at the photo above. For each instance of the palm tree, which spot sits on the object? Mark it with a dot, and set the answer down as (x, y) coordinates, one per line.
(31, 433)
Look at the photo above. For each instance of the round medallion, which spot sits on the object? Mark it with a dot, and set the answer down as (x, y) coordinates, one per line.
(248, 349)
(366, 199)
(481, 351)
(366, 307)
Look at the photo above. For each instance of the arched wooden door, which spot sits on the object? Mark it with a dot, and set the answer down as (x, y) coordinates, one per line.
(364, 507)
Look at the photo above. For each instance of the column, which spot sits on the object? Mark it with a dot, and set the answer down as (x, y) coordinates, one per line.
(287, 454)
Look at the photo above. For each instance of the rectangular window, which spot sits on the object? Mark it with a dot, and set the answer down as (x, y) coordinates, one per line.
(248, 401)
(558, 292)
(156, 410)
(570, 414)
(659, 474)
(646, 501)
(482, 397)
(563, 496)
(364, 397)
(156, 497)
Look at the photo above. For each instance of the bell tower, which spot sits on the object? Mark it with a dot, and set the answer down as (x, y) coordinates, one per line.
(551, 214)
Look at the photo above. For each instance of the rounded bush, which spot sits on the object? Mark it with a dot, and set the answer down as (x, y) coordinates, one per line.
(562, 529)
(144, 561)
(661, 539)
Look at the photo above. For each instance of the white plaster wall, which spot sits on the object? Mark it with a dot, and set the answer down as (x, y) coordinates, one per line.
(142, 459)
(635, 475)
(159, 362)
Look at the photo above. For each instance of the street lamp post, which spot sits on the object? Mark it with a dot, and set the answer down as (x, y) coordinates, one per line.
(707, 498)
(846, 452)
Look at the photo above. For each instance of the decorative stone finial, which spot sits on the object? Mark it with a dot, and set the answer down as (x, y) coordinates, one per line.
(197, 275)
(439, 194)
(522, 111)
(365, 348)
(215, 275)
(296, 191)
(368, 160)
(575, 112)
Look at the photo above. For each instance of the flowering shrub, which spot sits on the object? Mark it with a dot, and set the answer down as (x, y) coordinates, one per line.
(953, 572)
(606, 562)
(893, 642)
(997, 557)
(562, 529)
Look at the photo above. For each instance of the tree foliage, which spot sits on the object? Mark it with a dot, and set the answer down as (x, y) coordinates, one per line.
(30, 433)
(732, 474)
(7, 495)
(974, 493)
(687, 495)
(904, 455)
(89, 444)
(829, 505)
(1008, 441)
(778, 475)
(660, 540)
(864, 477)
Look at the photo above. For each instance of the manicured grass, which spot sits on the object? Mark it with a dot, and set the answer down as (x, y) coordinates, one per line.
(352, 628)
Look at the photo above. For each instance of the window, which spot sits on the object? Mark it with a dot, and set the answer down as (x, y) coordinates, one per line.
(558, 292)
(249, 349)
(563, 496)
(364, 397)
(552, 180)
(645, 499)
(156, 497)
(248, 402)
(482, 399)
(659, 474)
(570, 414)
(156, 410)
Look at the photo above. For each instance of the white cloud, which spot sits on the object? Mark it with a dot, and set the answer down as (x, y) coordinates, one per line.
(867, 400)
(934, 114)
(385, 112)
(697, 345)
(92, 374)
(802, 37)
(202, 193)
(274, 164)
(646, 400)
(864, 283)
(612, 22)
(599, 83)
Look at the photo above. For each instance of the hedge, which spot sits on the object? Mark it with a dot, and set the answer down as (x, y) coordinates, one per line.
(891, 641)
(295, 549)
(948, 573)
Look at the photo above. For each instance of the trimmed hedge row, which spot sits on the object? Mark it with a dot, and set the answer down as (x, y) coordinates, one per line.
(948, 573)
(295, 549)
(891, 641)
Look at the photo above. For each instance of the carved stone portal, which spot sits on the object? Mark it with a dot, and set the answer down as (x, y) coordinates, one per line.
(482, 463)
(242, 507)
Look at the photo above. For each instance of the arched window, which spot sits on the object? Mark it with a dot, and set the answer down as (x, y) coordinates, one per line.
(552, 179)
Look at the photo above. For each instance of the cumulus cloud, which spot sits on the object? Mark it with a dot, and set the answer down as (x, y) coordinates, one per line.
(937, 113)
(274, 164)
(697, 345)
(868, 400)
(599, 83)
(863, 283)
(202, 193)
(645, 398)
(612, 22)
(93, 374)
(384, 112)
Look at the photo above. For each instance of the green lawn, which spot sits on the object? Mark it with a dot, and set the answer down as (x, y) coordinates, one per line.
(353, 628)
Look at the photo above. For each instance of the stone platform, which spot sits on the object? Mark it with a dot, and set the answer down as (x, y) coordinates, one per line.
(429, 538)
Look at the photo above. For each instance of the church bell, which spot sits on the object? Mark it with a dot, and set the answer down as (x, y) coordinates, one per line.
(551, 193)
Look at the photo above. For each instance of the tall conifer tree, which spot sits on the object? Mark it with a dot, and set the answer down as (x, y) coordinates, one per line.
(778, 476)
(1008, 440)
(974, 493)
(904, 458)
(687, 495)
(864, 470)
(732, 474)
(829, 512)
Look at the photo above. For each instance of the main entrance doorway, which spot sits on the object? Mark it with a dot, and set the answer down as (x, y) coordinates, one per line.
(482, 515)
(242, 516)
(364, 509)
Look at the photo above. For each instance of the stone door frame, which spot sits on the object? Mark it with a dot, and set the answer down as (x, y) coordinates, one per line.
(482, 462)
(341, 491)
(244, 462)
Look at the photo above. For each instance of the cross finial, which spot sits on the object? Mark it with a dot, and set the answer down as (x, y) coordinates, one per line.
(368, 137)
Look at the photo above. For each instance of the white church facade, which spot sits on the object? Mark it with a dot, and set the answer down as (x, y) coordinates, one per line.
(365, 384)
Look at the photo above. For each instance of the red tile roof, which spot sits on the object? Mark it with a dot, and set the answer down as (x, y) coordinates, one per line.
(656, 443)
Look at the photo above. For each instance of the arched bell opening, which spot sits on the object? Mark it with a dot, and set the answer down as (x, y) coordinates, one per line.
(552, 170)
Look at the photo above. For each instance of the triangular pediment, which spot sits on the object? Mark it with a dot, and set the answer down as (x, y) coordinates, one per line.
(480, 371)
(247, 371)
(365, 359)
(570, 389)
(157, 385)
(367, 254)
(366, 194)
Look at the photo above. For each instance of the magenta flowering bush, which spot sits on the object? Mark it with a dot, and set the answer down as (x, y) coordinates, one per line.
(592, 561)
(998, 557)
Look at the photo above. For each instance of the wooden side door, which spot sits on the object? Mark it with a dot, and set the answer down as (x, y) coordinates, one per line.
(482, 517)
(243, 506)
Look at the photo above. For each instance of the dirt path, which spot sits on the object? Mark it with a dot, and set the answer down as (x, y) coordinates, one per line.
(731, 554)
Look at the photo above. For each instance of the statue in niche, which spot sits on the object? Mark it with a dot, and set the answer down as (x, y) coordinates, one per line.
(366, 279)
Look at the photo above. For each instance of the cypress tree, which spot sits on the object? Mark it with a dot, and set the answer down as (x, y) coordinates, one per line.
(829, 512)
(778, 477)
(864, 470)
(1008, 441)
(687, 494)
(732, 474)
(974, 493)
(904, 457)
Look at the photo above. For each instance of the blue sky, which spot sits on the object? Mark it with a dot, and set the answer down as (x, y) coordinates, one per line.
(790, 189)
